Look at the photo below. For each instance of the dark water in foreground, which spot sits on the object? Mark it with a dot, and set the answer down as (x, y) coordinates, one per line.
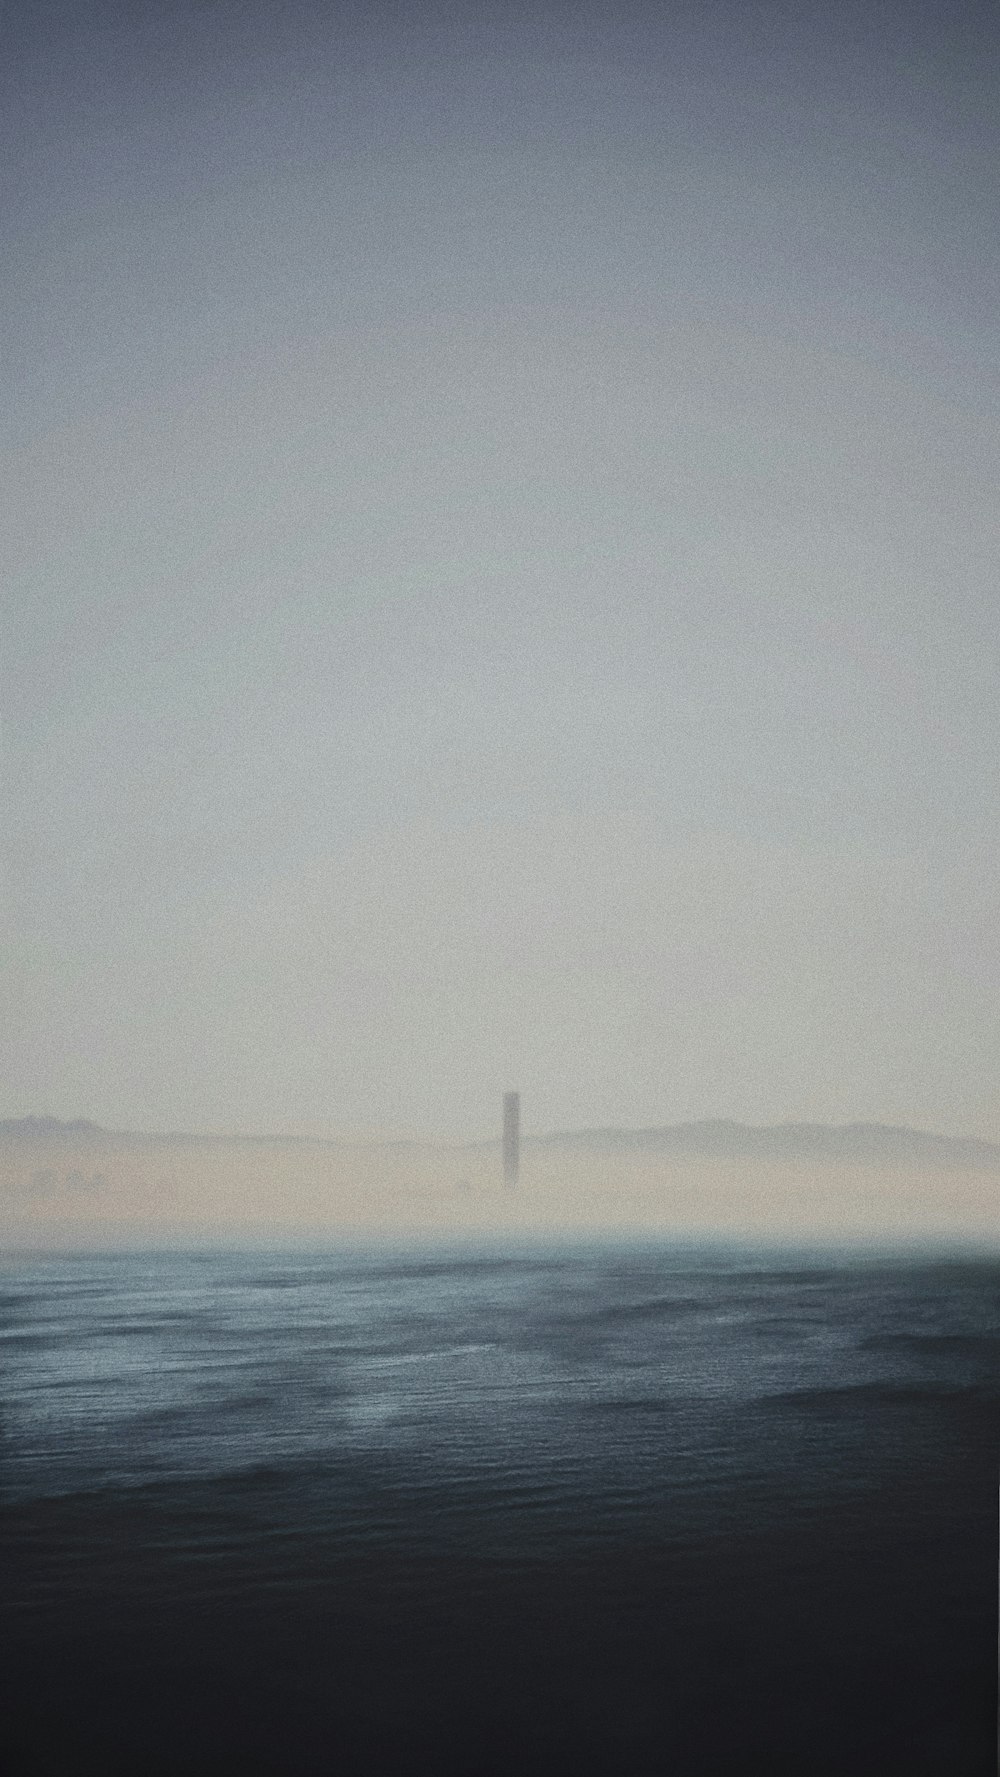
(562, 1511)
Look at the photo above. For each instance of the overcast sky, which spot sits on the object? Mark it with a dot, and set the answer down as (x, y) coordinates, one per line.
(502, 589)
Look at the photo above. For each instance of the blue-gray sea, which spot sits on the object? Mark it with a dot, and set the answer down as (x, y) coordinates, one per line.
(563, 1509)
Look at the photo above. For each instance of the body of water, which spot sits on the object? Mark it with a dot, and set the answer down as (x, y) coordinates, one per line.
(562, 1510)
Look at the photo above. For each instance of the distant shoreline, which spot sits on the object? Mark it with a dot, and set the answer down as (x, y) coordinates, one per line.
(714, 1138)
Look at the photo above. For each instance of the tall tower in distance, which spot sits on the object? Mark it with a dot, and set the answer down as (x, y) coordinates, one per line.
(511, 1136)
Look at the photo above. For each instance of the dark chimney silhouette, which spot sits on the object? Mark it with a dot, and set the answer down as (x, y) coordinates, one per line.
(511, 1136)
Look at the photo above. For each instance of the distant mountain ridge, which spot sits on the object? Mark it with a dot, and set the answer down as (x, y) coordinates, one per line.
(713, 1139)
(857, 1143)
(45, 1126)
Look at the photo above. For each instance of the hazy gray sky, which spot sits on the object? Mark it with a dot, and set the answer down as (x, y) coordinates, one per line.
(503, 564)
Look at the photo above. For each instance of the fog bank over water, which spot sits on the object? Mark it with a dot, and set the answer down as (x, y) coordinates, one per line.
(76, 1186)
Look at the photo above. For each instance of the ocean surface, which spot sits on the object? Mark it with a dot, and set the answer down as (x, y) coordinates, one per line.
(560, 1509)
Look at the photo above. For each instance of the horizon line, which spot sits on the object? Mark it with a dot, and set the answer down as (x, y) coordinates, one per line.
(48, 1123)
